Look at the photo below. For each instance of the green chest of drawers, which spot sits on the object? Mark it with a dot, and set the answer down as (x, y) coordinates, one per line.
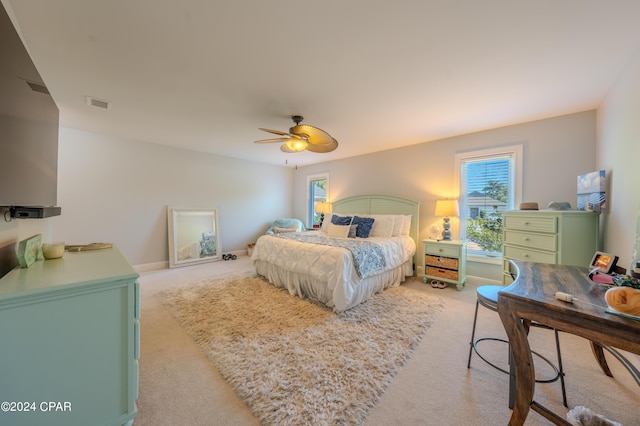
(556, 237)
(70, 332)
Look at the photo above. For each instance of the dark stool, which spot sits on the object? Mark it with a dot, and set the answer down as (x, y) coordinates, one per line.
(487, 296)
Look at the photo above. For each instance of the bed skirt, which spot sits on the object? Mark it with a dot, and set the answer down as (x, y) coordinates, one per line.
(341, 297)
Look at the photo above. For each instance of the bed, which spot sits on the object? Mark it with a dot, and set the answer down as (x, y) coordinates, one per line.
(344, 272)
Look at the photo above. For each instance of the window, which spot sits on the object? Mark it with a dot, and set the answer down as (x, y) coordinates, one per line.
(490, 183)
(317, 190)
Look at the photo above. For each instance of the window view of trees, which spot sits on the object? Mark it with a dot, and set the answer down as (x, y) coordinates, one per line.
(484, 228)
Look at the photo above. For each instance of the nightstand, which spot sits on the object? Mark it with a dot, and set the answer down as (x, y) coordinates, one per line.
(445, 261)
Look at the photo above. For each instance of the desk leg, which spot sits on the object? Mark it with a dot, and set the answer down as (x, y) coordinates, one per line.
(598, 353)
(522, 360)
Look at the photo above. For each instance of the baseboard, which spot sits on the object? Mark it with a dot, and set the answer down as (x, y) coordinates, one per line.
(146, 267)
(478, 281)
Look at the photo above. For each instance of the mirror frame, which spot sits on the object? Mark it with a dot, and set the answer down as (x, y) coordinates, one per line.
(173, 213)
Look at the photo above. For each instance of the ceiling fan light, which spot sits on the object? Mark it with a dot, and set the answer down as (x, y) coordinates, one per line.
(296, 145)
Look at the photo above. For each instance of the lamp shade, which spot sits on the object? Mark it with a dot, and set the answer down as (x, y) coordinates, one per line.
(323, 207)
(447, 208)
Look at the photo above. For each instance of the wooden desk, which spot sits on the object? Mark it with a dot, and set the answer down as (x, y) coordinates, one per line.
(531, 297)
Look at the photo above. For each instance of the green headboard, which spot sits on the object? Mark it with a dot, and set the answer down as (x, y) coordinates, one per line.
(384, 204)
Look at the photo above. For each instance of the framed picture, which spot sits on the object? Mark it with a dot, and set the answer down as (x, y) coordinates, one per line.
(604, 261)
(591, 191)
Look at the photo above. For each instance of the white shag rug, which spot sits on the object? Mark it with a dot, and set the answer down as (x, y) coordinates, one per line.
(295, 362)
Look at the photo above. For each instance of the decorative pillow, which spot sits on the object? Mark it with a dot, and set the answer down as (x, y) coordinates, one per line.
(283, 230)
(382, 226)
(340, 231)
(353, 231)
(341, 220)
(364, 226)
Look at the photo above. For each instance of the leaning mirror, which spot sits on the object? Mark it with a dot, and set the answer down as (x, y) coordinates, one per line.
(193, 236)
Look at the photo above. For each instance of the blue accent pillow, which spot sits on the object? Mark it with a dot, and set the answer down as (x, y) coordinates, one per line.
(341, 220)
(364, 226)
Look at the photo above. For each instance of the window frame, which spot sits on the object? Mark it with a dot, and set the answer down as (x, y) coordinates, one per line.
(311, 207)
(516, 175)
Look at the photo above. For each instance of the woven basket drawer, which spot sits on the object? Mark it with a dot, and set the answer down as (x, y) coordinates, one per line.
(442, 273)
(441, 262)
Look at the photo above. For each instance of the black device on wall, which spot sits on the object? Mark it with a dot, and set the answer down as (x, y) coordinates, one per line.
(28, 131)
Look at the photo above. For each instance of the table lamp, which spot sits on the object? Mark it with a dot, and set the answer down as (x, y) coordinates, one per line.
(446, 209)
(323, 207)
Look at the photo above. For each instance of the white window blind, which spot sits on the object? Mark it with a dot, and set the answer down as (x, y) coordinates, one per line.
(489, 185)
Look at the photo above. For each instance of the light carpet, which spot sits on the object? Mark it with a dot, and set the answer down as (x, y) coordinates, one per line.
(296, 362)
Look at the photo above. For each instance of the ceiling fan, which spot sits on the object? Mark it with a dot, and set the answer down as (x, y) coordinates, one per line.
(302, 137)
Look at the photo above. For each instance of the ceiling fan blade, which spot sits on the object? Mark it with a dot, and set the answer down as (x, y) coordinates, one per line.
(272, 140)
(323, 148)
(275, 132)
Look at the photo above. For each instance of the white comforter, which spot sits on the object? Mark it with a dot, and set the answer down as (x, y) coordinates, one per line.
(326, 273)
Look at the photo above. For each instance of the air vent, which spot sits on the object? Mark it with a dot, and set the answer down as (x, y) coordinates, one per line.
(97, 103)
(37, 87)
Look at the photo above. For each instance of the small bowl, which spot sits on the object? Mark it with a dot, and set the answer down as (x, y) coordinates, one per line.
(53, 250)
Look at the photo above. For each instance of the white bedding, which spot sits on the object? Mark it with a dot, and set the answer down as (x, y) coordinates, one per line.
(327, 274)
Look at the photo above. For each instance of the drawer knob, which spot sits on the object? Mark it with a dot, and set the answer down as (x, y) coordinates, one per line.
(526, 223)
(526, 238)
(440, 250)
(526, 255)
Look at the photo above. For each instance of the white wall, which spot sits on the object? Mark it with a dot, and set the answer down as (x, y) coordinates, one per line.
(618, 152)
(556, 151)
(116, 190)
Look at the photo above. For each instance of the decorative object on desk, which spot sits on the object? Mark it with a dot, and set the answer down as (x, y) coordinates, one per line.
(591, 191)
(603, 261)
(625, 300)
(622, 280)
(559, 205)
(323, 207)
(446, 209)
(87, 247)
(53, 250)
(29, 250)
(529, 206)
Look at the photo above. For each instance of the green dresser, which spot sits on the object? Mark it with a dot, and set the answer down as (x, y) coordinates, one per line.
(567, 237)
(69, 336)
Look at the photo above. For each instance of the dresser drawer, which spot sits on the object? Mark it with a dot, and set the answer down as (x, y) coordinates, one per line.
(441, 250)
(536, 241)
(442, 273)
(441, 262)
(529, 255)
(534, 224)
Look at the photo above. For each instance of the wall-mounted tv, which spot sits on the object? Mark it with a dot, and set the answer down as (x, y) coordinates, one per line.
(28, 127)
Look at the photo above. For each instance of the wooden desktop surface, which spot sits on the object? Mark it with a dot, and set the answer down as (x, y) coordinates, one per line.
(531, 297)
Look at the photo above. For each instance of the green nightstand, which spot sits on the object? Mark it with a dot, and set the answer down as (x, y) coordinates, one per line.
(445, 261)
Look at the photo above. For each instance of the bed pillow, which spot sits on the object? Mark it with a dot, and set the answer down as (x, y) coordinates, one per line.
(382, 226)
(340, 231)
(326, 222)
(353, 229)
(364, 226)
(406, 225)
(398, 221)
(341, 220)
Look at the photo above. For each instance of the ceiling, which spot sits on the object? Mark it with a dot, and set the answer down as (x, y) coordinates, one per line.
(376, 75)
